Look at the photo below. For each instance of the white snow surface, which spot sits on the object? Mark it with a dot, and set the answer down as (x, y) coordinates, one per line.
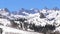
(4, 21)
(16, 31)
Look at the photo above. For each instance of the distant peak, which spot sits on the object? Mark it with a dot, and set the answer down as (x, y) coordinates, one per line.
(5, 9)
(31, 8)
(34, 9)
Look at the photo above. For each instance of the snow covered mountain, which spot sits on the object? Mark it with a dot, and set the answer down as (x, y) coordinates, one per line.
(25, 12)
(39, 17)
(35, 15)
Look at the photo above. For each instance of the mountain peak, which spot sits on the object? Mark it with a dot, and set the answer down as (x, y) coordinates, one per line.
(5, 9)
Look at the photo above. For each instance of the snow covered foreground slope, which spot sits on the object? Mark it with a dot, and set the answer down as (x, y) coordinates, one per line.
(7, 30)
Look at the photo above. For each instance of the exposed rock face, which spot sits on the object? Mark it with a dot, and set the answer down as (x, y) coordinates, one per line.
(42, 15)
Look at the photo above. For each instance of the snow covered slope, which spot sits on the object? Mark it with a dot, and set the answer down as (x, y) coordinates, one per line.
(8, 30)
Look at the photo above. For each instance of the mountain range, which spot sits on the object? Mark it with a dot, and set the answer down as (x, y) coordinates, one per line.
(37, 16)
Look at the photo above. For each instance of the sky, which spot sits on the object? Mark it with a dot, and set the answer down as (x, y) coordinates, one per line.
(13, 5)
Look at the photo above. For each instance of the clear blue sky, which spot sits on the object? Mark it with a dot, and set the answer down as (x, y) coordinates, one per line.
(28, 4)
